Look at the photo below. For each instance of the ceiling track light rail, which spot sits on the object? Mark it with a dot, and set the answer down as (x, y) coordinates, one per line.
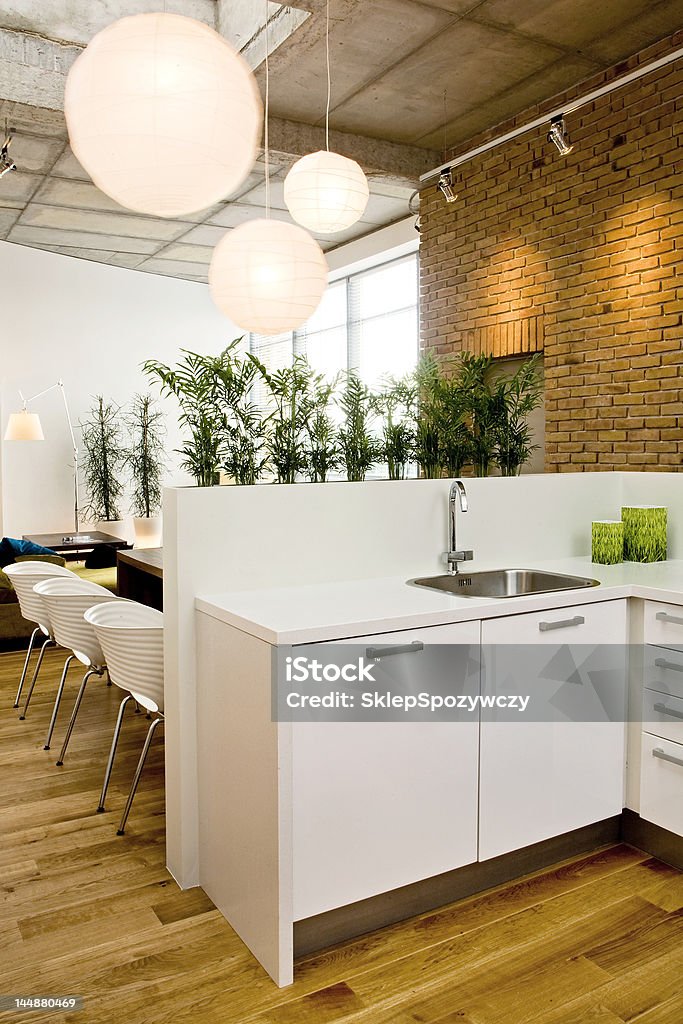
(553, 116)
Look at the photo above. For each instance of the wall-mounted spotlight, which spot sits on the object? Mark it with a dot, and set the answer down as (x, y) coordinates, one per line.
(445, 185)
(414, 208)
(559, 136)
(6, 162)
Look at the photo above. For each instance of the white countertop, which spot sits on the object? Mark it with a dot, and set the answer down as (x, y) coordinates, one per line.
(334, 611)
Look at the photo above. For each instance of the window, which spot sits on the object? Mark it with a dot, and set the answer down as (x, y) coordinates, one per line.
(367, 321)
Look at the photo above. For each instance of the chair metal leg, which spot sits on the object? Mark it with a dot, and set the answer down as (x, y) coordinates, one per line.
(26, 661)
(138, 773)
(58, 700)
(47, 643)
(112, 752)
(74, 713)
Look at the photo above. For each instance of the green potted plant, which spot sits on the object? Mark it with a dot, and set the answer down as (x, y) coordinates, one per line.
(193, 383)
(144, 458)
(292, 392)
(323, 453)
(396, 404)
(104, 459)
(360, 447)
(520, 394)
(243, 427)
(482, 408)
(427, 417)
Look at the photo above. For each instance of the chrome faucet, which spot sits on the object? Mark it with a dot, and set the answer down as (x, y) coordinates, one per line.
(454, 555)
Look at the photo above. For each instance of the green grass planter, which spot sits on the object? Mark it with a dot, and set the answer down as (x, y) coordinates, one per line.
(644, 533)
(607, 541)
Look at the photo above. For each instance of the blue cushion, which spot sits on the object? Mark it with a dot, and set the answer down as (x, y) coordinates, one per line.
(10, 548)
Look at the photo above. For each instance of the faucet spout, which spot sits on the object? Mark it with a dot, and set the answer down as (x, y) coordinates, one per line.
(457, 495)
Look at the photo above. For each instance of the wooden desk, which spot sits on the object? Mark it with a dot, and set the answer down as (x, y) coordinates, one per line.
(73, 545)
(140, 575)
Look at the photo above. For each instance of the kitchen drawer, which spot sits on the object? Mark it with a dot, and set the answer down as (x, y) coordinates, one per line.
(601, 622)
(661, 793)
(663, 715)
(663, 670)
(663, 625)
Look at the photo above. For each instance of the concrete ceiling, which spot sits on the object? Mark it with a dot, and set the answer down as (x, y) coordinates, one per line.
(392, 61)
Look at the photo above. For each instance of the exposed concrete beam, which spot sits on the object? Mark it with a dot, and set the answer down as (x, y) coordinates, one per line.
(241, 21)
(33, 75)
(393, 161)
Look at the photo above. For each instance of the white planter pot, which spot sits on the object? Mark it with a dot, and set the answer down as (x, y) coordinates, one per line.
(121, 528)
(147, 532)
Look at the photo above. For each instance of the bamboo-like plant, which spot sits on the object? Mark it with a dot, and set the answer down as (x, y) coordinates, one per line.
(323, 454)
(144, 454)
(427, 431)
(104, 460)
(292, 390)
(245, 457)
(396, 403)
(483, 406)
(193, 383)
(520, 394)
(360, 448)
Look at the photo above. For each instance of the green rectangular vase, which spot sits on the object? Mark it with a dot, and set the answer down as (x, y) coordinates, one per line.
(644, 533)
(607, 541)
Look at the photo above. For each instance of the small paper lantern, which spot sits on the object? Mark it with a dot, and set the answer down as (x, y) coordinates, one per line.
(326, 192)
(164, 114)
(268, 276)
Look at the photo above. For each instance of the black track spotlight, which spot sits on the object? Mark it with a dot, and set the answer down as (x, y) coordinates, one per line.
(559, 136)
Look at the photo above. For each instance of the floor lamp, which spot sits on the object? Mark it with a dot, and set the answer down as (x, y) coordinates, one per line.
(26, 426)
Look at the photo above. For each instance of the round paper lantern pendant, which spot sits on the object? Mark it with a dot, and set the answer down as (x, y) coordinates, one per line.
(163, 114)
(267, 276)
(326, 192)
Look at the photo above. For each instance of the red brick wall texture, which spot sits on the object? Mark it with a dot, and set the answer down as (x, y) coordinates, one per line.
(580, 257)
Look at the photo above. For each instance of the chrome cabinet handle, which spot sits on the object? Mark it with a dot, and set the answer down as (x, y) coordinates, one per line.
(671, 712)
(375, 653)
(577, 620)
(663, 756)
(665, 617)
(663, 663)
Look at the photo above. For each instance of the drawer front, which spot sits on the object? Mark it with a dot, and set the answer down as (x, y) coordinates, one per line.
(663, 715)
(663, 670)
(601, 623)
(663, 625)
(661, 794)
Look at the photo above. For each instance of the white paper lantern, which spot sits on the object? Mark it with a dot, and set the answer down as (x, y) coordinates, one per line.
(163, 114)
(326, 192)
(268, 276)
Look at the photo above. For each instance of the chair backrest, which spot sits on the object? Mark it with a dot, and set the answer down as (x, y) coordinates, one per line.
(67, 600)
(131, 636)
(23, 576)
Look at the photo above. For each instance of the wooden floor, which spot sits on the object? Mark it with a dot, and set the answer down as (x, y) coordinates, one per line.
(598, 940)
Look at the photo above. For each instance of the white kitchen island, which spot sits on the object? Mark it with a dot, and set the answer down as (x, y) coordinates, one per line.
(329, 828)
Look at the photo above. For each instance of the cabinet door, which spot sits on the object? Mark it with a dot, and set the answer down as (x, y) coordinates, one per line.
(540, 778)
(378, 805)
(661, 796)
(663, 625)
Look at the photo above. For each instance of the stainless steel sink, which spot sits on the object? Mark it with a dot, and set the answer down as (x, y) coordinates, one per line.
(504, 583)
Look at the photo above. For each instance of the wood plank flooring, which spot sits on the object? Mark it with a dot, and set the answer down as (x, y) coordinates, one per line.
(597, 940)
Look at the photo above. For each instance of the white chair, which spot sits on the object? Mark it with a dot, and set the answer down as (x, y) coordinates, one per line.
(23, 576)
(131, 636)
(66, 600)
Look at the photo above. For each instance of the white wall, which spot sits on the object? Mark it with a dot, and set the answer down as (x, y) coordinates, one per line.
(92, 325)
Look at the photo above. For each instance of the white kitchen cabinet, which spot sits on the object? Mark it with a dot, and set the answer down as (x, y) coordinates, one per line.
(661, 795)
(663, 624)
(542, 778)
(378, 805)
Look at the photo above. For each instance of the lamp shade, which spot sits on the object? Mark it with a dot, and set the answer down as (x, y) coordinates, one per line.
(163, 114)
(24, 426)
(268, 276)
(326, 192)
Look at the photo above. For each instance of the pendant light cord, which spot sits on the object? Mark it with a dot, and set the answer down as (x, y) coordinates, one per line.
(329, 80)
(265, 138)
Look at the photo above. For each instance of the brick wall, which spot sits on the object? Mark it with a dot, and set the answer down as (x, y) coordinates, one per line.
(580, 257)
